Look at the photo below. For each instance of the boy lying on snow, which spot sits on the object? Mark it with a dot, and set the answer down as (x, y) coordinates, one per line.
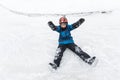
(66, 41)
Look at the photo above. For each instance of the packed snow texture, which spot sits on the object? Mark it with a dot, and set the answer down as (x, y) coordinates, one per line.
(27, 44)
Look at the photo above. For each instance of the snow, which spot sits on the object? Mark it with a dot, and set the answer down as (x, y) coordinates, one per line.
(27, 44)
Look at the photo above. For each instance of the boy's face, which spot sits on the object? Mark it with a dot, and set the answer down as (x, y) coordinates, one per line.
(63, 25)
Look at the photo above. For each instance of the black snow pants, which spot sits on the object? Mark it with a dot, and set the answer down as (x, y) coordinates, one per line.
(77, 50)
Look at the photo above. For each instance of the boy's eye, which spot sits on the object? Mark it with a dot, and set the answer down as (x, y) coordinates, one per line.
(63, 24)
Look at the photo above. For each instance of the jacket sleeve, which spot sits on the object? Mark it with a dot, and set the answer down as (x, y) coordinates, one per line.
(78, 23)
(52, 26)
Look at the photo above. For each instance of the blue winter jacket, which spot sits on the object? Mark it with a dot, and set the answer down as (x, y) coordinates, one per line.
(65, 35)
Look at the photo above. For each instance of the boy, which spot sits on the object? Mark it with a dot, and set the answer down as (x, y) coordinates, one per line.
(66, 41)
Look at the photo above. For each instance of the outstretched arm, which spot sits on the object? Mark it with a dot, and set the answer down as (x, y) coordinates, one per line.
(51, 25)
(78, 23)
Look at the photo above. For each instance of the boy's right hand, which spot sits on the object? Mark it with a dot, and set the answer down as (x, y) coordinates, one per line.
(50, 23)
(52, 26)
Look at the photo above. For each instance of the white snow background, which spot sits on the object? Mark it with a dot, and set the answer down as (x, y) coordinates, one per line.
(27, 44)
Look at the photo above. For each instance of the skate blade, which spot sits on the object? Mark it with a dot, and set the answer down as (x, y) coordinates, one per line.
(94, 64)
(51, 68)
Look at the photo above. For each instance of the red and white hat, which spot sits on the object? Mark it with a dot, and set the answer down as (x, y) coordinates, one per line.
(63, 20)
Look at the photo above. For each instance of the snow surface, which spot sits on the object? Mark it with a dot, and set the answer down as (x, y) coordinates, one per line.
(27, 44)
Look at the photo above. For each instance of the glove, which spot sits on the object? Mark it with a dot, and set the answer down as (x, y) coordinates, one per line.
(52, 26)
(81, 20)
(78, 23)
(50, 23)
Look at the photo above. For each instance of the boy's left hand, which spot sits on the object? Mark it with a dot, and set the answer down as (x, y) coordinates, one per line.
(81, 20)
